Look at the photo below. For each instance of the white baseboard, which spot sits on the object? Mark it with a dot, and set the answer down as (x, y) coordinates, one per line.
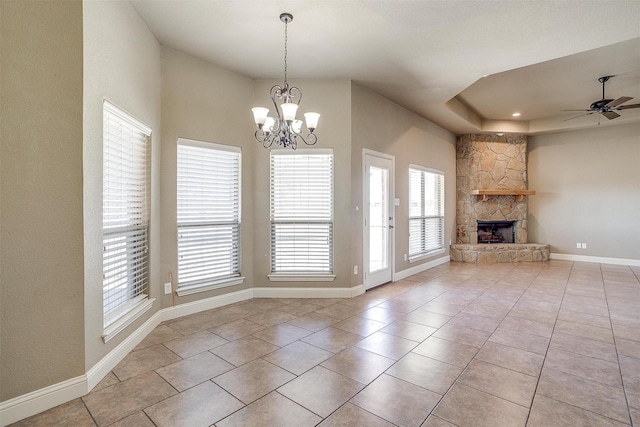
(108, 362)
(205, 304)
(308, 292)
(596, 259)
(420, 268)
(29, 404)
(32, 403)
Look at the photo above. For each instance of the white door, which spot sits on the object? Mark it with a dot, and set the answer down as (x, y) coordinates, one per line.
(378, 218)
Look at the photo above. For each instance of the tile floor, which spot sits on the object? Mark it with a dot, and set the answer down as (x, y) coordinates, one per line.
(535, 344)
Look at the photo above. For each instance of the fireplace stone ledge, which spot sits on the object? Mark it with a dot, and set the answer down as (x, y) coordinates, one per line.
(501, 252)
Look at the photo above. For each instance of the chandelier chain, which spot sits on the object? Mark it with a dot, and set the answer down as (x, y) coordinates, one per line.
(286, 25)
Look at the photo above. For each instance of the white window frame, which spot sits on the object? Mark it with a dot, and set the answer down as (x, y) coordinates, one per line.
(199, 267)
(125, 216)
(321, 218)
(439, 215)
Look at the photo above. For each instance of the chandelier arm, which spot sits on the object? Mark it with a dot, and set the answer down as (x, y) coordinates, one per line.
(312, 138)
(292, 91)
(268, 142)
(265, 139)
(276, 92)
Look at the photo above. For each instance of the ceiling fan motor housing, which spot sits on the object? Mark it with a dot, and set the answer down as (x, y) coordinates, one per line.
(600, 106)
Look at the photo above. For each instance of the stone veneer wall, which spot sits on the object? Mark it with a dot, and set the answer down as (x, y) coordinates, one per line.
(489, 162)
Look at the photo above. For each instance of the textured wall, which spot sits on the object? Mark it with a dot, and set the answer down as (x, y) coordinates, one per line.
(411, 139)
(587, 190)
(121, 64)
(41, 189)
(332, 99)
(489, 162)
(192, 91)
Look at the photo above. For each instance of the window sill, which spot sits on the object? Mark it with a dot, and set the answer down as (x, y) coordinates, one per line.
(208, 286)
(114, 329)
(282, 277)
(426, 255)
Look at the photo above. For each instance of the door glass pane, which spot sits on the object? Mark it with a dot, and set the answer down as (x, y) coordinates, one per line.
(378, 218)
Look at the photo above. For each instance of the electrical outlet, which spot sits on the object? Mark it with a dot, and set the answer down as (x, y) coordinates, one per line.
(355, 269)
(405, 257)
(579, 245)
(167, 288)
(584, 246)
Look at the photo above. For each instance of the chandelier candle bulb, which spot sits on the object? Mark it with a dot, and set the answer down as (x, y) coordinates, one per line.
(312, 120)
(268, 125)
(260, 115)
(289, 110)
(284, 130)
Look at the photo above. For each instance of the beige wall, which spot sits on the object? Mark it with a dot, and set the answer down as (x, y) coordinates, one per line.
(332, 99)
(587, 190)
(122, 65)
(41, 277)
(381, 125)
(204, 102)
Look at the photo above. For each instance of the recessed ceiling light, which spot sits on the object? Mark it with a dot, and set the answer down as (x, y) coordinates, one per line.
(516, 114)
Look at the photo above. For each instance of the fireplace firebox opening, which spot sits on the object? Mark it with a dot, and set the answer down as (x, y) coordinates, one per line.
(496, 232)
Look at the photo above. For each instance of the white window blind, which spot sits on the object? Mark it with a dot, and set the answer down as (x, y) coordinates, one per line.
(208, 212)
(302, 211)
(426, 211)
(125, 213)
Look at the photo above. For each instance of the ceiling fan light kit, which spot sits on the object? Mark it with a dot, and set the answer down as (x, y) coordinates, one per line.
(284, 130)
(606, 107)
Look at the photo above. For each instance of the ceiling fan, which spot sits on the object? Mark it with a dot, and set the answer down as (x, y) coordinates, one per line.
(606, 107)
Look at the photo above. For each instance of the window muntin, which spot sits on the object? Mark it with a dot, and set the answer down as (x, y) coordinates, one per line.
(125, 213)
(208, 212)
(426, 211)
(302, 211)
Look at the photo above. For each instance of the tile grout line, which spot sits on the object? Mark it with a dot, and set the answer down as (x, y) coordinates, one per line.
(455, 289)
(486, 341)
(580, 408)
(624, 389)
(535, 391)
(463, 370)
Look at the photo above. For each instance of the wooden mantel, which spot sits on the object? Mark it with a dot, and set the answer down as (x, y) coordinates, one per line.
(518, 193)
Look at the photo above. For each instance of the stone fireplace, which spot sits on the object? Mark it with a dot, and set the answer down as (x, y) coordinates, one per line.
(492, 193)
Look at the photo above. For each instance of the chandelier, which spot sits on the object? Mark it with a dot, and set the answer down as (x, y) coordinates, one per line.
(284, 130)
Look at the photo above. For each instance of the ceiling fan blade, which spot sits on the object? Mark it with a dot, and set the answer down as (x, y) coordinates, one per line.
(618, 101)
(611, 115)
(581, 115)
(576, 110)
(626, 107)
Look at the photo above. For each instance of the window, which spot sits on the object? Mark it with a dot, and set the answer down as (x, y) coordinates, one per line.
(125, 213)
(426, 211)
(302, 212)
(208, 215)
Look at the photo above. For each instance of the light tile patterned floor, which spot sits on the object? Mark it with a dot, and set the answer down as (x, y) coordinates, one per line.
(529, 344)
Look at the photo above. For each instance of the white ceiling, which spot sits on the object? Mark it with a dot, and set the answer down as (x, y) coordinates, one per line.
(429, 56)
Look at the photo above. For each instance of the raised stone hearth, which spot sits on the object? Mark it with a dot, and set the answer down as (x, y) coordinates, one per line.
(503, 252)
